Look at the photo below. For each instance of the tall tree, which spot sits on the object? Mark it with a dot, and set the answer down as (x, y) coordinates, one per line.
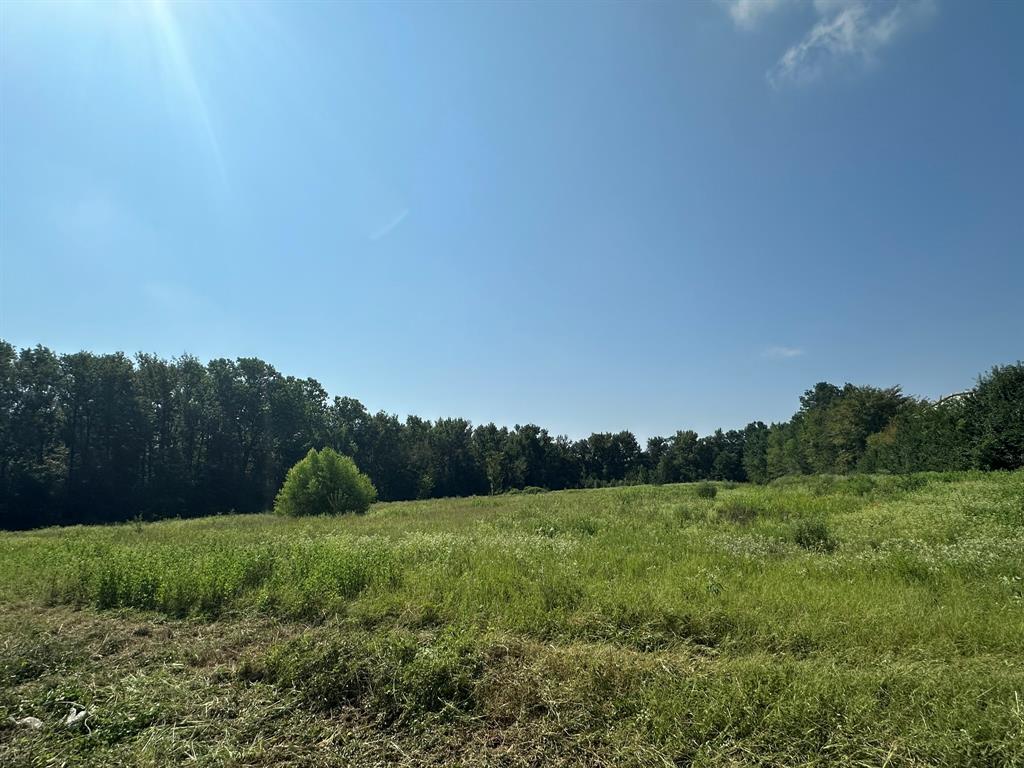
(997, 414)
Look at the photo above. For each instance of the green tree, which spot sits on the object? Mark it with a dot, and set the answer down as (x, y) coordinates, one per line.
(755, 452)
(610, 458)
(783, 455)
(324, 482)
(859, 413)
(33, 464)
(997, 416)
(680, 459)
(385, 455)
(455, 468)
(489, 446)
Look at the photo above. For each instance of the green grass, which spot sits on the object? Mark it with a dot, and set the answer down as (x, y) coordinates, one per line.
(818, 621)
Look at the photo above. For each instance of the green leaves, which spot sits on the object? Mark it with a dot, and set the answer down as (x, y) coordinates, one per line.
(324, 482)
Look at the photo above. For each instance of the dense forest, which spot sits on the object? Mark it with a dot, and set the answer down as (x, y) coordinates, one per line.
(89, 438)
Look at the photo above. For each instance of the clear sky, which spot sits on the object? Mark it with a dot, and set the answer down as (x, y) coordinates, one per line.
(590, 216)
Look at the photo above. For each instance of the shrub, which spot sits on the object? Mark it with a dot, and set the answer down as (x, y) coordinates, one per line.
(814, 535)
(324, 482)
(706, 490)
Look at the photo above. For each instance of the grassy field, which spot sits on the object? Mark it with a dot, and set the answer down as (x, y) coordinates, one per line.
(863, 621)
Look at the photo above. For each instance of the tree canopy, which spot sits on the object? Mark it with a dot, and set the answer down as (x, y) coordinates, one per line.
(89, 438)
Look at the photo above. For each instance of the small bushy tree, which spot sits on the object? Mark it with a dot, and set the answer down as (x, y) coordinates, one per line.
(324, 482)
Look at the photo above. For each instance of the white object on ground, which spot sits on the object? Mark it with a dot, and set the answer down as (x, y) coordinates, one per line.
(75, 716)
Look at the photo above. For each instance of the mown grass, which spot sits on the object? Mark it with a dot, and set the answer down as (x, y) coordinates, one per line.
(863, 620)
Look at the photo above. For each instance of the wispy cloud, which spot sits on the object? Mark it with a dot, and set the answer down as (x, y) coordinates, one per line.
(390, 227)
(853, 31)
(781, 353)
(846, 32)
(746, 13)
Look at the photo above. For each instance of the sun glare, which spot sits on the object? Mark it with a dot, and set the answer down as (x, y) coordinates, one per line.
(174, 55)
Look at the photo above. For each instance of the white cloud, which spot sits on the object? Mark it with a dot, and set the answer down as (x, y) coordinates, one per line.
(746, 13)
(851, 31)
(854, 30)
(781, 353)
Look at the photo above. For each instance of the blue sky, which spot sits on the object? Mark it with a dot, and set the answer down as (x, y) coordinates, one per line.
(584, 215)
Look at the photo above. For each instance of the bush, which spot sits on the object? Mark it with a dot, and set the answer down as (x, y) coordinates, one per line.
(813, 535)
(324, 482)
(706, 490)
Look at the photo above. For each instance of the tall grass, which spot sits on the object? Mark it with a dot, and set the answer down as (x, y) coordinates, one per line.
(873, 616)
(751, 569)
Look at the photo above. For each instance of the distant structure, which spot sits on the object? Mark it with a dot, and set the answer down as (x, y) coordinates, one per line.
(954, 396)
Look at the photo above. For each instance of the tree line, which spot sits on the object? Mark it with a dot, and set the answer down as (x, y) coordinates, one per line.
(89, 438)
